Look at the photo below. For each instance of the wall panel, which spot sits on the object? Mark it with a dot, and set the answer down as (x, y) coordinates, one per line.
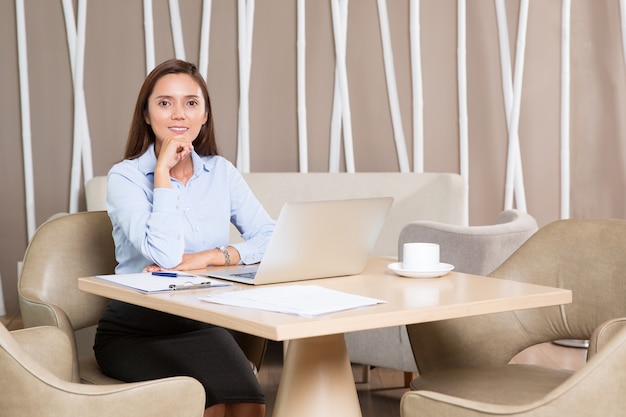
(115, 68)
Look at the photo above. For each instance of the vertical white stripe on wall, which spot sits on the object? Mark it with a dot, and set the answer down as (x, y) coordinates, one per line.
(245, 31)
(565, 109)
(507, 87)
(462, 79)
(514, 174)
(84, 125)
(177, 29)
(335, 121)
(462, 86)
(392, 89)
(148, 29)
(418, 94)
(301, 66)
(70, 33)
(205, 38)
(27, 148)
(340, 52)
(512, 90)
(622, 10)
(82, 142)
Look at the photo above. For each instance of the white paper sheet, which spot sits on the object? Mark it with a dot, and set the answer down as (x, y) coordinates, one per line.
(301, 300)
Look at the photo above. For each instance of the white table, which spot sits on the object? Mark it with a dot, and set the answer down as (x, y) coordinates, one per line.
(317, 376)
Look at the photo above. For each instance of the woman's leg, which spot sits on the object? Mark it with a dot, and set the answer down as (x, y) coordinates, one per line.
(245, 410)
(217, 410)
(236, 410)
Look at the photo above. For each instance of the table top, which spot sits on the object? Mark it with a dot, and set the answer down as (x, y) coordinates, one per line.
(408, 300)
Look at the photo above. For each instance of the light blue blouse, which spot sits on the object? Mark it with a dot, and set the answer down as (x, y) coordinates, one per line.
(159, 226)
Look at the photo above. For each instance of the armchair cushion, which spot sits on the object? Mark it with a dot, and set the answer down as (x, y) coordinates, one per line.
(48, 346)
(507, 384)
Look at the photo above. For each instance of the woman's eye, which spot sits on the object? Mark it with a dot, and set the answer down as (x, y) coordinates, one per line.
(192, 103)
(163, 103)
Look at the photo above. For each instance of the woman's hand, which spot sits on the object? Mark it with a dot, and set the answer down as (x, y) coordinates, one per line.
(170, 153)
(173, 149)
(153, 268)
(212, 257)
(200, 260)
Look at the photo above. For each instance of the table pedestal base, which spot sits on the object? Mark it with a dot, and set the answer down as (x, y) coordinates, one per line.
(317, 380)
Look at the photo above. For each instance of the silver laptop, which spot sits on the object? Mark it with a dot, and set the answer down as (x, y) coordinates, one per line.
(317, 239)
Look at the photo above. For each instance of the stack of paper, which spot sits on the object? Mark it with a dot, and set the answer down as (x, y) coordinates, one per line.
(302, 300)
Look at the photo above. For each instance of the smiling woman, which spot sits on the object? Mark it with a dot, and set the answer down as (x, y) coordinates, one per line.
(176, 121)
(171, 201)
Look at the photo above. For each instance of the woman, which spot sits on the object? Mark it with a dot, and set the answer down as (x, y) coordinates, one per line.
(171, 201)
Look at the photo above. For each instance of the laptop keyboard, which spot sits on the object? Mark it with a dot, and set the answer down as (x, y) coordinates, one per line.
(246, 275)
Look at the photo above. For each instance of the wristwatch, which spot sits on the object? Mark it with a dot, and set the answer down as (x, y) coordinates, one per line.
(226, 254)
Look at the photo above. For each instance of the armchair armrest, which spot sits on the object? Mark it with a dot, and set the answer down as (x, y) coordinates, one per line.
(603, 334)
(170, 397)
(36, 313)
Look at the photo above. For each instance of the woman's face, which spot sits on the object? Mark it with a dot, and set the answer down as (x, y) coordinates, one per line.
(176, 108)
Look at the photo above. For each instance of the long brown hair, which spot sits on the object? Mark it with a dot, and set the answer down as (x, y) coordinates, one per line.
(141, 136)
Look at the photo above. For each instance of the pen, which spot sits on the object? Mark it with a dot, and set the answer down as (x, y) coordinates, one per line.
(190, 286)
(171, 274)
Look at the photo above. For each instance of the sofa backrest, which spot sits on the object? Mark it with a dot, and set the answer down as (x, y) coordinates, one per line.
(438, 197)
(428, 196)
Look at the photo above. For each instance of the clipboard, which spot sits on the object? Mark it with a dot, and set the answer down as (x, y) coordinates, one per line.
(148, 283)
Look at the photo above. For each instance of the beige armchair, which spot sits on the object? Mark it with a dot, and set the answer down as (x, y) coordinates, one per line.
(471, 249)
(464, 363)
(63, 249)
(37, 366)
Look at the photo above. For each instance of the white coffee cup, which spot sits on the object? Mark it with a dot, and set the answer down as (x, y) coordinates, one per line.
(420, 256)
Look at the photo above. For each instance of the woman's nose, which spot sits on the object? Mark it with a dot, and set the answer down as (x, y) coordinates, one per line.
(178, 113)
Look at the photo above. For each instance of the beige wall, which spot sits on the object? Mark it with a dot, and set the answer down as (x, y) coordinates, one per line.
(115, 68)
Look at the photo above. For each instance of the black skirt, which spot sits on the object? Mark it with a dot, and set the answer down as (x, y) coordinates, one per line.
(138, 344)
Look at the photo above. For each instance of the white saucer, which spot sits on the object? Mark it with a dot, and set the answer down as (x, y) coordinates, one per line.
(441, 271)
